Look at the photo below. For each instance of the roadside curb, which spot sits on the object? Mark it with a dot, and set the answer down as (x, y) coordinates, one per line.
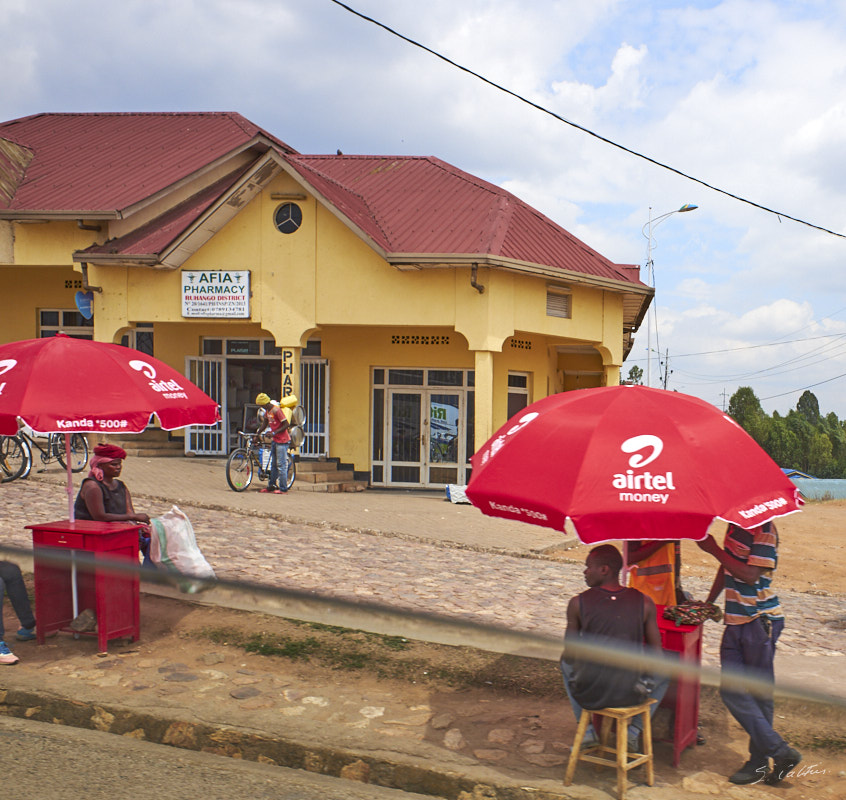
(224, 740)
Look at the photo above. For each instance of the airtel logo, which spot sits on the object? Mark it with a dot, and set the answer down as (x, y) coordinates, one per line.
(161, 387)
(646, 485)
(5, 366)
(143, 366)
(638, 443)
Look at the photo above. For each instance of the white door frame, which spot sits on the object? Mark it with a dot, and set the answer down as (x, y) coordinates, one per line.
(208, 373)
(427, 455)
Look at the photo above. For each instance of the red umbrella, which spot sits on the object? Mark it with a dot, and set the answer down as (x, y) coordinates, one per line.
(67, 385)
(628, 462)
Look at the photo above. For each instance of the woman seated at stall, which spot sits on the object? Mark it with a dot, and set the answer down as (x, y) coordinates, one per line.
(105, 498)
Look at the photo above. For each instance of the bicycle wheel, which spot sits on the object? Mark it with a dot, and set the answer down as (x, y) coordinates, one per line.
(13, 460)
(239, 470)
(79, 451)
(292, 471)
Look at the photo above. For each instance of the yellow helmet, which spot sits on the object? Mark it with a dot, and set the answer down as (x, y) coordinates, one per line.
(262, 399)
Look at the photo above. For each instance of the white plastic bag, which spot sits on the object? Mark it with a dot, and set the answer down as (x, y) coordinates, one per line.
(455, 493)
(173, 547)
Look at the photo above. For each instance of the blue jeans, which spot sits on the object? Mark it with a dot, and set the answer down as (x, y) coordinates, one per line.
(749, 650)
(278, 466)
(659, 689)
(12, 583)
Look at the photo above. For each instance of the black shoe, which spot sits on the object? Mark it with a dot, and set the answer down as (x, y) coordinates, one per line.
(750, 772)
(782, 766)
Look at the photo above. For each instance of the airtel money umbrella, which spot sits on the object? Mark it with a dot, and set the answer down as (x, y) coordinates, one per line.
(66, 385)
(628, 462)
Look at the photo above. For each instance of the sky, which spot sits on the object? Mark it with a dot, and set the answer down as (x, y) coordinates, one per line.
(747, 96)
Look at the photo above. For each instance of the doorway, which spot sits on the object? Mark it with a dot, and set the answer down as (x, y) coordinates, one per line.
(425, 446)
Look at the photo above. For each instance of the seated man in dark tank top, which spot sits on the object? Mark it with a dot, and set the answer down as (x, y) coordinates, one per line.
(610, 613)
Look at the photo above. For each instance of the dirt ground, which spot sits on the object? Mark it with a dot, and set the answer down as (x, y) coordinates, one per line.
(465, 684)
(812, 550)
(811, 560)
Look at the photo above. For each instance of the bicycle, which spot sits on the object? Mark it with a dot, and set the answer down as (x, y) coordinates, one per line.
(13, 458)
(250, 459)
(55, 448)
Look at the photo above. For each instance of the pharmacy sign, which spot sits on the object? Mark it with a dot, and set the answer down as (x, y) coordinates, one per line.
(207, 293)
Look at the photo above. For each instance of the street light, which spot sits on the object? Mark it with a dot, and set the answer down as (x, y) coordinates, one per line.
(646, 230)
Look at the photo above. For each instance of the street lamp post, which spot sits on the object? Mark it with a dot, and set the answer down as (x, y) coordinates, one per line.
(650, 273)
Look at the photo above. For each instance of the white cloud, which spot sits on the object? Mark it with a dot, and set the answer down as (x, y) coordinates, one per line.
(744, 94)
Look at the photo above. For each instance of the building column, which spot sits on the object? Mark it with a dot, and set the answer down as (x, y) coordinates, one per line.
(291, 372)
(484, 397)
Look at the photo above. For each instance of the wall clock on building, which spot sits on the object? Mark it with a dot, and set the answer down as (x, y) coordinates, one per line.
(288, 218)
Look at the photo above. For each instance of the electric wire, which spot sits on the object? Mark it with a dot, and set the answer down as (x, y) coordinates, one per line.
(662, 165)
(779, 214)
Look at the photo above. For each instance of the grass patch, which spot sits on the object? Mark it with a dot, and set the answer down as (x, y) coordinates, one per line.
(391, 657)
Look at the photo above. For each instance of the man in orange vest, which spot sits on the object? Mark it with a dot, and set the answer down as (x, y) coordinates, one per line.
(654, 569)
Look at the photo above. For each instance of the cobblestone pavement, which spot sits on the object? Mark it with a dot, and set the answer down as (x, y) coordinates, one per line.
(431, 556)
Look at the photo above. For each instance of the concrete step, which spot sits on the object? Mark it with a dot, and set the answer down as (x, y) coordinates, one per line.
(154, 452)
(317, 466)
(338, 476)
(329, 488)
(152, 443)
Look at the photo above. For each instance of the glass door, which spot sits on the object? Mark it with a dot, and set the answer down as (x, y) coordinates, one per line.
(444, 443)
(423, 437)
(406, 441)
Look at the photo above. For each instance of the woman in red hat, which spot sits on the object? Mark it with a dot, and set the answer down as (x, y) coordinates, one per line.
(102, 496)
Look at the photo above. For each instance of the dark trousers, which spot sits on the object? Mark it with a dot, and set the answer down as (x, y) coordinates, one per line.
(748, 649)
(12, 583)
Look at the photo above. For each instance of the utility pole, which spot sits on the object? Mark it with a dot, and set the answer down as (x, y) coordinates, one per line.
(666, 366)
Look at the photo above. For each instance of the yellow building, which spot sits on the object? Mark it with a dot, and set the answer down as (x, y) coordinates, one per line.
(412, 307)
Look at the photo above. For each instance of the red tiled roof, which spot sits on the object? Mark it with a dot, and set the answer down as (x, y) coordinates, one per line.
(407, 206)
(422, 205)
(91, 163)
(150, 239)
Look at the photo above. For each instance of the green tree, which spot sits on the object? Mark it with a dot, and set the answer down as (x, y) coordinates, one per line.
(781, 443)
(635, 375)
(809, 407)
(804, 432)
(745, 408)
(820, 461)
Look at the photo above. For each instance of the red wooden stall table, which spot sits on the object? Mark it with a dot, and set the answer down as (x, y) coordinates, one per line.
(682, 697)
(113, 596)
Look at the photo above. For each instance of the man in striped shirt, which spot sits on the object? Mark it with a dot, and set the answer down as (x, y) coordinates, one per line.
(753, 622)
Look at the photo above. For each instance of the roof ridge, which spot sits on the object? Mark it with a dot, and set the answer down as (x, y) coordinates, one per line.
(335, 182)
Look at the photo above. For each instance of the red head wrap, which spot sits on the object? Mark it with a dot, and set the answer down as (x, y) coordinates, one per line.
(109, 451)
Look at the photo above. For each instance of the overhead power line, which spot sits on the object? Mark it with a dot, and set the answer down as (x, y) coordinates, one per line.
(779, 214)
(750, 346)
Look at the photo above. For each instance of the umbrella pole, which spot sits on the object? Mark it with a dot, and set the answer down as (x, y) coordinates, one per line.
(74, 597)
(70, 475)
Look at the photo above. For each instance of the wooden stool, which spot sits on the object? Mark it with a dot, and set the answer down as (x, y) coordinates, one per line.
(622, 760)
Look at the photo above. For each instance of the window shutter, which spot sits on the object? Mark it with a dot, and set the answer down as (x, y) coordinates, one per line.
(558, 304)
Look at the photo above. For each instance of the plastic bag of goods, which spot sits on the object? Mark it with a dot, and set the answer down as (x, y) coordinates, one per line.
(173, 547)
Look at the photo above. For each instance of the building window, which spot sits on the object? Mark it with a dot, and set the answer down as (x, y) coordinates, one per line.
(288, 218)
(314, 347)
(558, 302)
(518, 392)
(140, 338)
(64, 320)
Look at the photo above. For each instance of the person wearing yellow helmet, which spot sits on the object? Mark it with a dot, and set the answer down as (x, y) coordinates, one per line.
(275, 419)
